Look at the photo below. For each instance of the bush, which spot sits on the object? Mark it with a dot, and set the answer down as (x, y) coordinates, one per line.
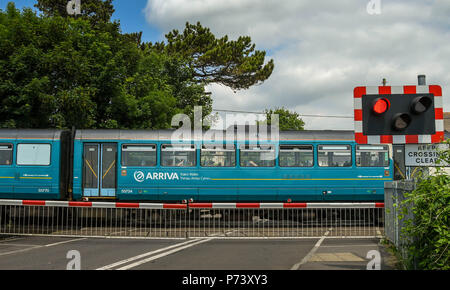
(428, 232)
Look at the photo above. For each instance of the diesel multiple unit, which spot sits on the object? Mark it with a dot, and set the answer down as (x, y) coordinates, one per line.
(151, 166)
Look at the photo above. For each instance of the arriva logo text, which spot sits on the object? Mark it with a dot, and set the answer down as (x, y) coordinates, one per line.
(139, 176)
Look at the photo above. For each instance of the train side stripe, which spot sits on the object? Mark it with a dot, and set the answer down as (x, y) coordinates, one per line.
(304, 179)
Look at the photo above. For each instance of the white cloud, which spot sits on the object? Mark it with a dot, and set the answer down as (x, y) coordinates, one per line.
(323, 49)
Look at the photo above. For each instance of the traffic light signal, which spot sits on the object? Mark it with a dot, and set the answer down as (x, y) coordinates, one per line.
(381, 106)
(399, 115)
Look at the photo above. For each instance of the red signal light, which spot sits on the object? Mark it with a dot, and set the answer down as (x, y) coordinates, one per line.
(381, 105)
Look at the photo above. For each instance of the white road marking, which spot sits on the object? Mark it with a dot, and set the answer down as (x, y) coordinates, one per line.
(162, 255)
(311, 253)
(65, 242)
(20, 245)
(10, 239)
(336, 257)
(178, 247)
(107, 267)
(38, 247)
(346, 246)
(19, 251)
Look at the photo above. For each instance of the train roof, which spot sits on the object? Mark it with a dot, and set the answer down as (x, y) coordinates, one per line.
(33, 134)
(113, 134)
(325, 135)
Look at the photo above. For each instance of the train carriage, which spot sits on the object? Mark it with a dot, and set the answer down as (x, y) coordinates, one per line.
(301, 166)
(34, 164)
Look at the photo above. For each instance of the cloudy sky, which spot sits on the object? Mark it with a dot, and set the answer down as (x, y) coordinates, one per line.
(322, 49)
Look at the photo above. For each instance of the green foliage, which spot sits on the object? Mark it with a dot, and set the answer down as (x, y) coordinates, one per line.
(289, 121)
(96, 11)
(59, 72)
(444, 155)
(235, 64)
(428, 234)
(187, 91)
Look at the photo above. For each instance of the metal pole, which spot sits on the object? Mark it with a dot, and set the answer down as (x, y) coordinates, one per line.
(422, 79)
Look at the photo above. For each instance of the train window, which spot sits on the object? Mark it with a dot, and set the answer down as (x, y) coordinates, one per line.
(182, 155)
(6, 154)
(217, 156)
(257, 156)
(33, 154)
(372, 156)
(139, 155)
(335, 155)
(296, 156)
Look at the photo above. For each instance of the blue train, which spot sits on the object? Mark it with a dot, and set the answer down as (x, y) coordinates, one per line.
(147, 166)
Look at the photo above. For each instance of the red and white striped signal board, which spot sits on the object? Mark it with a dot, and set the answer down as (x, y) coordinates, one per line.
(397, 114)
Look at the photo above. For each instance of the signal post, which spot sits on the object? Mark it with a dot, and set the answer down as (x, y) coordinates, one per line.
(399, 115)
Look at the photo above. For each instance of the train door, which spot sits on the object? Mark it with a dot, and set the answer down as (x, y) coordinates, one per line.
(99, 170)
(37, 170)
(7, 169)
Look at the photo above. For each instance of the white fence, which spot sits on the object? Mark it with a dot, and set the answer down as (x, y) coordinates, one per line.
(220, 220)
